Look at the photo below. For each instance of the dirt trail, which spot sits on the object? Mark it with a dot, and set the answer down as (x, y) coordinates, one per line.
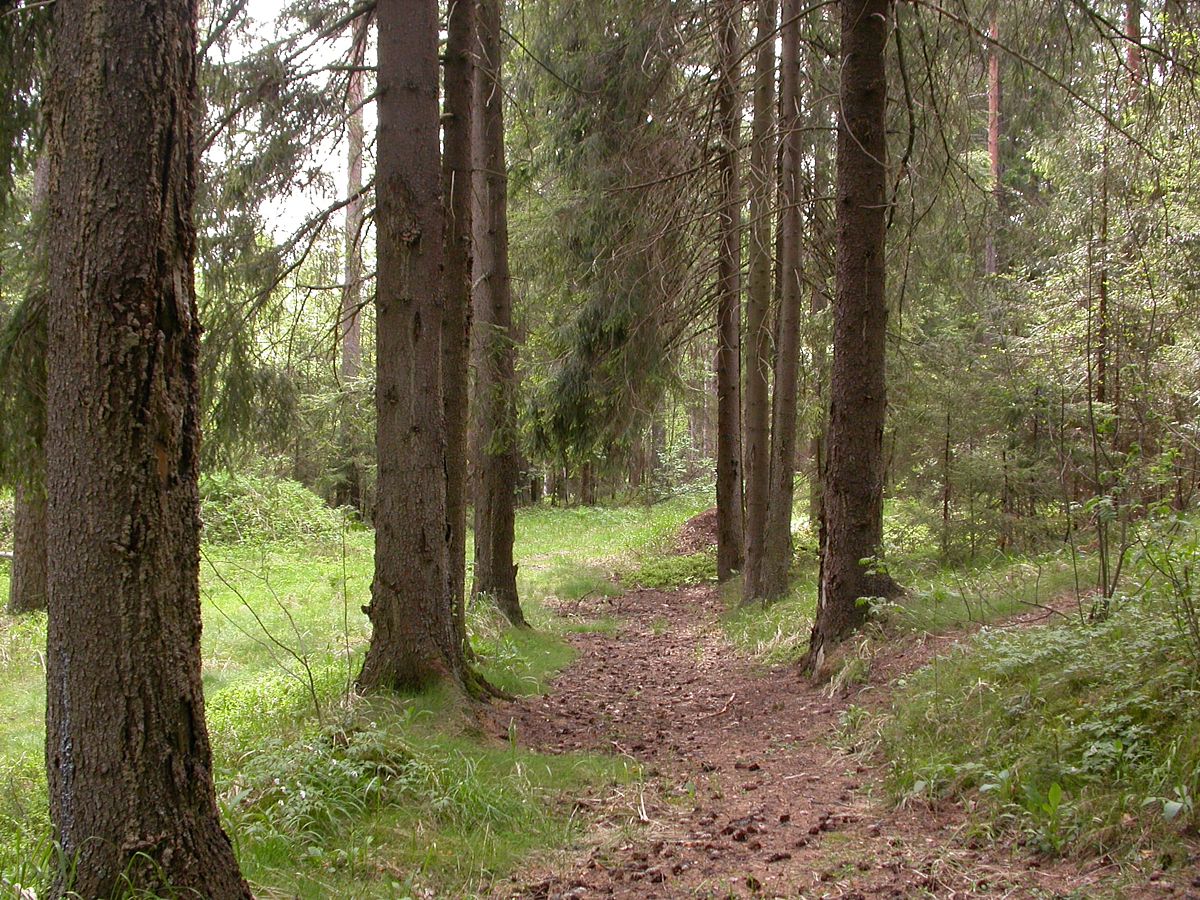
(745, 796)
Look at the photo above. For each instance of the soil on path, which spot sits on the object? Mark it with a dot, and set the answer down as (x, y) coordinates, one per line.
(745, 794)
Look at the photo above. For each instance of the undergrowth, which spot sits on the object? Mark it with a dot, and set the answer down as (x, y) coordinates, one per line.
(1075, 735)
(324, 793)
(1078, 736)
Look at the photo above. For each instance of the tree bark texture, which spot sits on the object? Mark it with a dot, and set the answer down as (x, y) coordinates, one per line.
(127, 754)
(495, 452)
(27, 588)
(729, 316)
(858, 406)
(413, 640)
(456, 321)
(349, 489)
(758, 299)
(777, 536)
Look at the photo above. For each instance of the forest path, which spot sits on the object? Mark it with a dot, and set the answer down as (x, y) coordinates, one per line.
(745, 795)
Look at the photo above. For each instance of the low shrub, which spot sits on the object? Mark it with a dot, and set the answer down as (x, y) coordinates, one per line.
(663, 572)
(251, 509)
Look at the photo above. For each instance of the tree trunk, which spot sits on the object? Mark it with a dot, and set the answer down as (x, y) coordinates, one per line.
(349, 488)
(27, 588)
(991, 258)
(855, 466)
(1133, 47)
(495, 452)
(456, 321)
(414, 642)
(758, 299)
(729, 255)
(777, 551)
(129, 768)
(821, 262)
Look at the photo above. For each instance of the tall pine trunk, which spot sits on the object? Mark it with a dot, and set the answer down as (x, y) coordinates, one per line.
(129, 767)
(456, 322)
(495, 452)
(777, 537)
(729, 316)
(414, 642)
(821, 263)
(990, 254)
(758, 300)
(349, 488)
(855, 467)
(27, 589)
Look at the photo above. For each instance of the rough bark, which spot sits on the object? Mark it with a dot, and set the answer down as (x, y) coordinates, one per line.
(349, 488)
(456, 322)
(729, 263)
(495, 452)
(413, 640)
(27, 587)
(855, 466)
(777, 537)
(758, 300)
(128, 761)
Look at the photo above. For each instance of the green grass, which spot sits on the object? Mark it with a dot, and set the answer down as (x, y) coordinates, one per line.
(774, 633)
(1075, 735)
(375, 798)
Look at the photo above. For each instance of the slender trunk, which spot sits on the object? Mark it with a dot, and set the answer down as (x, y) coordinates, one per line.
(495, 452)
(855, 468)
(777, 555)
(129, 768)
(822, 265)
(349, 488)
(456, 318)
(414, 642)
(587, 485)
(946, 489)
(27, 587)
(991, 257)
(758, 300)
(1101, 392)
(1133, 47)
(729, 424)
(351, 321)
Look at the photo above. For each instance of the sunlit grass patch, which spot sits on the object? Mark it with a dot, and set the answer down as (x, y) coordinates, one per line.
(774, 633)
(405, 793)
(382, 796)
(1076, 735)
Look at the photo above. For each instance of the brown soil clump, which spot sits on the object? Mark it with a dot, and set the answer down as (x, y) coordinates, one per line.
(698, 533)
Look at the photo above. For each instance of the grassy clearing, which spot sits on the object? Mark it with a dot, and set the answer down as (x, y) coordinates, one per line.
(568, 554)
(326, 794)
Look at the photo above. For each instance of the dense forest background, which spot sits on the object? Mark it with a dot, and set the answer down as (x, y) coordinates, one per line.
(893, 307)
